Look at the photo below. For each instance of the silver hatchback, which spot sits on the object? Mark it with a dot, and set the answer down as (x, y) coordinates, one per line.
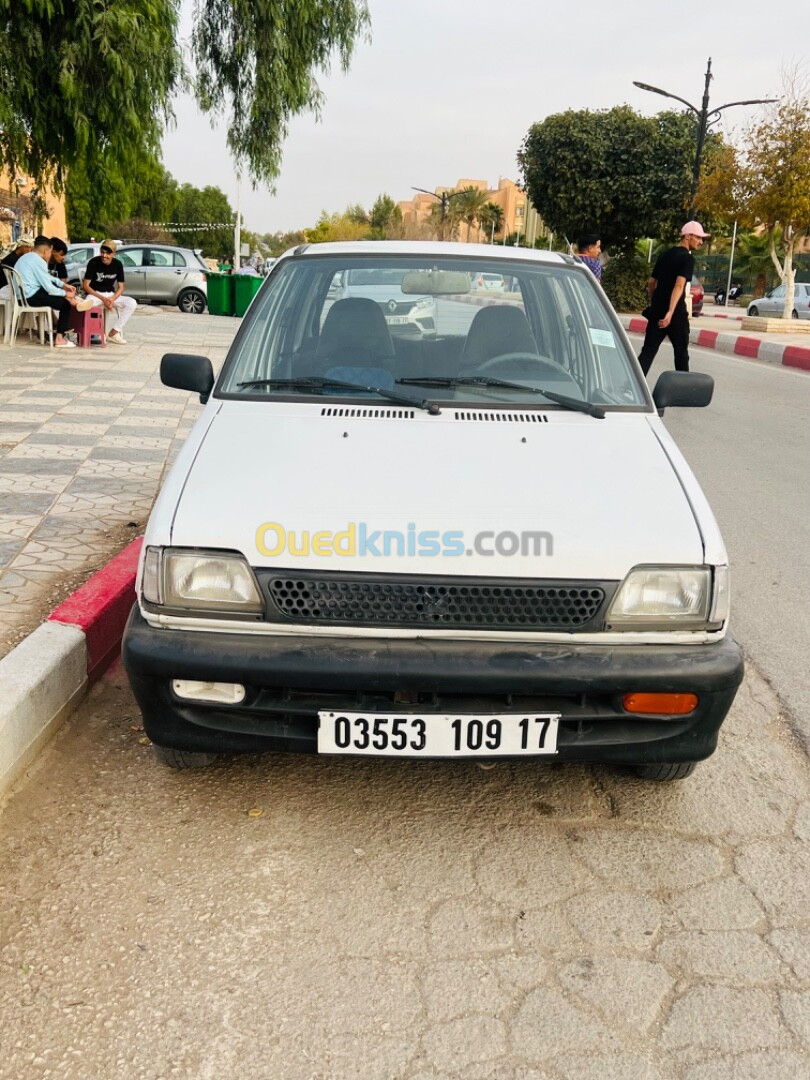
(162, 274)
(772, 304)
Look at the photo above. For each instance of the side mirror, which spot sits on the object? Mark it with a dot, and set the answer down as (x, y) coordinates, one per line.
(688, 389)
(183, 372)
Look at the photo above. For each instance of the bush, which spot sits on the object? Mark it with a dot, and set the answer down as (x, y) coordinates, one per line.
(624, 279)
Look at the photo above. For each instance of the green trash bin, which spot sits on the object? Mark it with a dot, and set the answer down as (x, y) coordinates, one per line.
(220, 294)
(245, 288)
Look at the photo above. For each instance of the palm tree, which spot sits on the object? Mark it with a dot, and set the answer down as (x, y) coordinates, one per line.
(490, 219)
(471, 203)
(446, 226)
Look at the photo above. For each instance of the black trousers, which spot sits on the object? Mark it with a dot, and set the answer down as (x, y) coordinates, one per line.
(42, 298)
(678, 334)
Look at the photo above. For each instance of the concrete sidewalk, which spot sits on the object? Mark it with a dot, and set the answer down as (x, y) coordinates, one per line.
(86, 436)
(727, 335)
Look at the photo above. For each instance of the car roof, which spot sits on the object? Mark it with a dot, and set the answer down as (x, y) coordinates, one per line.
(490, 252)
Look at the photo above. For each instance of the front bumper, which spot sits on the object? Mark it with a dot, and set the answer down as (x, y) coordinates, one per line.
(289, 679)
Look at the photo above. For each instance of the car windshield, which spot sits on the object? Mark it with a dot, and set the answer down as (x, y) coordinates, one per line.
(416, 325)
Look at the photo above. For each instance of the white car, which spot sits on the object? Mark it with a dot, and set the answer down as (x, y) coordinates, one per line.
(483, 544)
(772, 304)
(406, 315)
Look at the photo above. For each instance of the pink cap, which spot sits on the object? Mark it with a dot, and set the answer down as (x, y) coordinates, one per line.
(694, 228)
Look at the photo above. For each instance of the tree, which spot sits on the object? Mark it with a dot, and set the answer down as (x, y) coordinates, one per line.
(80, 79)
(385, 218)
(491, 218)
(336, 227)
(469, 205)
(144, 190)
(767, 183)
(256, 60)
(203, 206)
(612, 172)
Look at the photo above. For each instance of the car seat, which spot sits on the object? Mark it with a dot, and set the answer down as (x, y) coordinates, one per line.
(494, 331)
(354, 334)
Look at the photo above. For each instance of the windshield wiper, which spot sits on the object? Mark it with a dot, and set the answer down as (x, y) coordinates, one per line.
(484, 382)
(315, 382)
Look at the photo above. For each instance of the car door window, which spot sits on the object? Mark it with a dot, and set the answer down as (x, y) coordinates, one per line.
(178, 259)
(160, 258)
(132, 257)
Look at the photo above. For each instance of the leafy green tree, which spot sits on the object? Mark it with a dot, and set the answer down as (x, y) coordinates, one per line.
(203, 206)
(470, 205)
(385, 218)
(337, 227)
(256, 60)
(612, 172)
(80, 79)
(143, 190)
(84, 80)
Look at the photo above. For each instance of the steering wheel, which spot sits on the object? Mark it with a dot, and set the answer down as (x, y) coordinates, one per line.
(522, 365)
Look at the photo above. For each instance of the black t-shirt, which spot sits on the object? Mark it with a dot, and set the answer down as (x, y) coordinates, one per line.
(674, 263)
(103, 278)
(9, 260)
(57, 269)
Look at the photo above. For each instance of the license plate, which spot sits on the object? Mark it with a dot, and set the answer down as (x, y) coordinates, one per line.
(396, 320)
(411, 735)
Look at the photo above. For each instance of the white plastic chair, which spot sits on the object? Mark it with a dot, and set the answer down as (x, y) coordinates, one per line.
(6, 309)
(42, 316)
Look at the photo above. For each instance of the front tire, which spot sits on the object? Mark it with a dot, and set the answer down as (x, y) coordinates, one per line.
(753, 311)
(795, 315)
(192, 301)
(666, 771)
(182, 759)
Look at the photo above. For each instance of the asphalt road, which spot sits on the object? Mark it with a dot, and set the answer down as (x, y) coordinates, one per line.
(301, 918)
(751, 453)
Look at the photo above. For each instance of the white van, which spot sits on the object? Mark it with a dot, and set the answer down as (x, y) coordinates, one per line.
(479, 544)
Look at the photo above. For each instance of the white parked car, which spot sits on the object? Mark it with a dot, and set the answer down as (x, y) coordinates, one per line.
(479, 544)
(772, 304)
(406, 315)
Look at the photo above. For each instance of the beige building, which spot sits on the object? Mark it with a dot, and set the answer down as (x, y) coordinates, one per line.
(33, 210)
(519, 216)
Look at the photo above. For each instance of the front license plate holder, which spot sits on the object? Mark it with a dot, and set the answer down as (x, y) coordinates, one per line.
(429, 735)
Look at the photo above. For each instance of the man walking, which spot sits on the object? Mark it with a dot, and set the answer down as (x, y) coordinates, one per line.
(104, 285)
(667, 315)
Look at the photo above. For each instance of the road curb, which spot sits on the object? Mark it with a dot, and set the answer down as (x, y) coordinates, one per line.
(754, 348)
(48, 673)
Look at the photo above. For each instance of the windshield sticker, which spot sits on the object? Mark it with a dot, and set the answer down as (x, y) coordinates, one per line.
(602, 337)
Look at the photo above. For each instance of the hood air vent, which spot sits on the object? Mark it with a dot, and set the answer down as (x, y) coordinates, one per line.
(497, 417)
(370, 414)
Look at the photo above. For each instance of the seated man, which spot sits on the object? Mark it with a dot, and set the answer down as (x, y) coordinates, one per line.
(23, 246)
(56, 266)
(104, 285)
(41, 290)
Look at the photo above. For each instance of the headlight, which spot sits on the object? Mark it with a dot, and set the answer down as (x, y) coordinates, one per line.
(670, 598)
(199, 580)
(424, 302)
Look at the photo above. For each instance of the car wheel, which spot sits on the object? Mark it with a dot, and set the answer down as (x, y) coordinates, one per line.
(678, 770)
(753, 310)
(192, 301)
(182, 759)
(794, 315)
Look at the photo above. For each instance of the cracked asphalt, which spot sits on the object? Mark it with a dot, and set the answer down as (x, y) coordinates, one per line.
(308, 918)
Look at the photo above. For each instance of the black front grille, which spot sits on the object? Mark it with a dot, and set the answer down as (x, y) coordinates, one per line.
(411, 602)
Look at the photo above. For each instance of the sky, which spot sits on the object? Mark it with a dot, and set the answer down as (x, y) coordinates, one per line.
(449, 88)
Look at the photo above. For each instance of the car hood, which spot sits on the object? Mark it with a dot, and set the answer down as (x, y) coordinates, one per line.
(603, 494)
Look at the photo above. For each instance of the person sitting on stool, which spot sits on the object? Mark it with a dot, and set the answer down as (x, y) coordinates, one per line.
(42, 290)
(104, 285)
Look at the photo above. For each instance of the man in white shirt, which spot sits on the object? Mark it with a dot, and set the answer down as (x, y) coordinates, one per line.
(42, 290)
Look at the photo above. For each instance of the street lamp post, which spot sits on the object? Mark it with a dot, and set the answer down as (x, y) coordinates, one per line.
(444, 199)
(706, 117)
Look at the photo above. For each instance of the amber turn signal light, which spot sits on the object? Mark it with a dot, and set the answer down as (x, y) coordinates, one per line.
(668, 704)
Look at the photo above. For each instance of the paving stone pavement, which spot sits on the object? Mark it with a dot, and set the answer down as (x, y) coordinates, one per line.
(86, 436)
(300, 918)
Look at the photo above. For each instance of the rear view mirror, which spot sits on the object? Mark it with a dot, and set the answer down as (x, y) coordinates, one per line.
(183, 372)
(435, 283)
(687, 389)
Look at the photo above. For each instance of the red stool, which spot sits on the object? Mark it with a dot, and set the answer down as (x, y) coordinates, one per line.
(88, 324)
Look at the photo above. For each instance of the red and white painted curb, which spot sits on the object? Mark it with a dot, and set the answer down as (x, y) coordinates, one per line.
(794, 356)
(48, 673)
